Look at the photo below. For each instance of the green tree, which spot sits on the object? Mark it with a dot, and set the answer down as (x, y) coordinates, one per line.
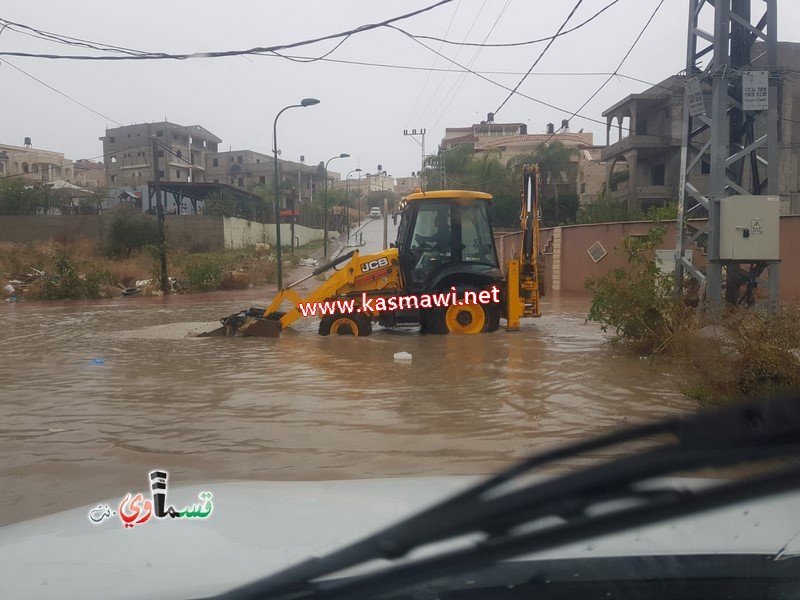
(130, 230)
(556, 166)
(20, 197)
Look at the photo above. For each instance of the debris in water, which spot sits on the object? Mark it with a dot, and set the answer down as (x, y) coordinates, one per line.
(98, 361)
(402, 356)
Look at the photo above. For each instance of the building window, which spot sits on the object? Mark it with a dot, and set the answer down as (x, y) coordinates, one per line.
(111, 139)
(262, 179)
(25, 168)
(658, 174)
(215, 162)
(705, 167)
(177, 174)
(583, 188)
(113, 178)
(239, 159)
(161, 174)
(241, 182)
(258, 160)
(174, 136)
(178, 154)
(160, 154)
(160, 133)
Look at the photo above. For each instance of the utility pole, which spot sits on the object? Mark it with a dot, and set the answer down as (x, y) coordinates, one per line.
(730, 131)
(385, 223)
(414, 133)
(294, 209)
(162, 246)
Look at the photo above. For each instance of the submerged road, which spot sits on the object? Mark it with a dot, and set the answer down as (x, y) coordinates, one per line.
(97, 394)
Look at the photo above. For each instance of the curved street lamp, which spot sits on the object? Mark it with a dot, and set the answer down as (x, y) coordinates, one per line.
(347, 195)
(325, 205)
(303, 103)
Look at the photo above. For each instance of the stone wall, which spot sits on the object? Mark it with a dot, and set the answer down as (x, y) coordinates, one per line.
(196, 233)
(567, 262)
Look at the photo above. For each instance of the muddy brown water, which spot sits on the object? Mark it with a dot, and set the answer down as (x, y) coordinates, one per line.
(300, 407)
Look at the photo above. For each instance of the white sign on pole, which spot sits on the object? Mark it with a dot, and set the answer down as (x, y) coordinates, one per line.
(695, 94)
(755, 90)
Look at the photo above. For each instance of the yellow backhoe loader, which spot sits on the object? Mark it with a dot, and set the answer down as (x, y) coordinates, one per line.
(444, 253)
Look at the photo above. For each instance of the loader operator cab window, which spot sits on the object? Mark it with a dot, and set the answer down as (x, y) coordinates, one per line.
(431, 243)
(476, 238)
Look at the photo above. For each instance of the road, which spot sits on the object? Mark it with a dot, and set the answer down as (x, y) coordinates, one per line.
(97, 394)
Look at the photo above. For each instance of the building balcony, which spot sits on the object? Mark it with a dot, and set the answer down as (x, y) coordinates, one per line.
(638, 142)
(656, 192)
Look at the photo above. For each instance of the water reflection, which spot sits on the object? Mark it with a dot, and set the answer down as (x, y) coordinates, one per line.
(299, 407)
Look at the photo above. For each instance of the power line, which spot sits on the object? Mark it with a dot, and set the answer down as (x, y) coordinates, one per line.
(619, 66)
(430, 71)
(516, 44)
(57, 91)
(220, 54)
(541, 55)
(441, 81)
(472, 62)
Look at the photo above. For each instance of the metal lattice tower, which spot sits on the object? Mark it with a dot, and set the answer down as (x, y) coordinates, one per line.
(739, 147)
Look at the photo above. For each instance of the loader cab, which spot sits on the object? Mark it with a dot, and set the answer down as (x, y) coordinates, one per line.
(444, 234)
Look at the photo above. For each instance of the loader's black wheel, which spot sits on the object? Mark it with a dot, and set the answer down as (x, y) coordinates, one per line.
(352, 324)
(467, 318)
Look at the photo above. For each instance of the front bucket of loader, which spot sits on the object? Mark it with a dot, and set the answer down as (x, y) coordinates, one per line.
(248, 323)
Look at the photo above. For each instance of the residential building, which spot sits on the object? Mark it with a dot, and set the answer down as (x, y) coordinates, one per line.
(247, 169)
(33, 164)
(407, 185)
(182, 153)
(591, 174)
(512, 139)
(88, 173)
(644, 136)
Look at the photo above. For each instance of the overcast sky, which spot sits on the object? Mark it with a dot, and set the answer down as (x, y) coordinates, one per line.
(363, 109)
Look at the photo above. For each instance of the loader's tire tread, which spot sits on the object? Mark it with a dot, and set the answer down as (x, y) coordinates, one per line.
(435, 320)
(340, 324)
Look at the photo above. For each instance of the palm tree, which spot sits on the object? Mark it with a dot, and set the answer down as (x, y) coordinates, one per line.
(555, 164)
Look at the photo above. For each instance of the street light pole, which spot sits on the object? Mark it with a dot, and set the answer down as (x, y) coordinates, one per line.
(303, 103)
(325, 205)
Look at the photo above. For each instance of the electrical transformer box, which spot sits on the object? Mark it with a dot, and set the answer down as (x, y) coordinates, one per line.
(749, 228)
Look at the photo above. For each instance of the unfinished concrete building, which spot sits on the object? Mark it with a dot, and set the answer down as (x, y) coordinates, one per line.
(182, 152)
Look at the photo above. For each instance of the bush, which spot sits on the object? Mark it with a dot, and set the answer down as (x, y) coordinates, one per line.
(638, 301)
(202, 274)
(753, 353)
(66, 283)
(131, 230)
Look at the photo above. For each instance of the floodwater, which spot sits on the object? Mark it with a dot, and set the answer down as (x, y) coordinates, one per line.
(96, 394)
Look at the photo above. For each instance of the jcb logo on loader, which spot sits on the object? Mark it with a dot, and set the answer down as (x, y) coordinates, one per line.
(374, 264)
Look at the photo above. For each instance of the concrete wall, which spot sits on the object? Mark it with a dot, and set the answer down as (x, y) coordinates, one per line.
(567, 263)
(305, 234)
(48, 227)
(196, 233)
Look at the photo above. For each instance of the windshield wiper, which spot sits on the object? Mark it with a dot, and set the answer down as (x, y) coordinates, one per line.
(499, 507)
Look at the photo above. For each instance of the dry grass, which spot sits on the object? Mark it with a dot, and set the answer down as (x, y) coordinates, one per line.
(742, 353)
(196, 272)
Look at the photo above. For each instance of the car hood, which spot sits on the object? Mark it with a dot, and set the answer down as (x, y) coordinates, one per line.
(260, 527)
